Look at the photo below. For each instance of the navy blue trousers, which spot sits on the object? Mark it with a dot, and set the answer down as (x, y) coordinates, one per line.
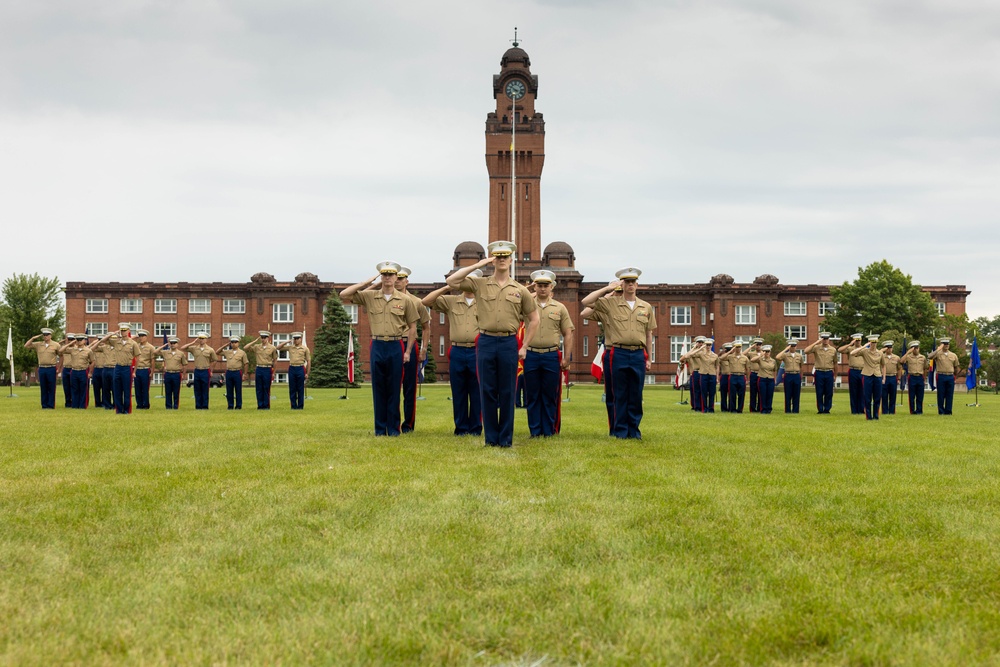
(765, 394)
(856, 390)
(915, 391)
(543, 392)
(889, 395)
(754, 393)
(609, 389)
(793, 390)
(708, 382)
(262, 384)
(297, 386)
(695, 391)
(142, 380)
(872, 397)
(81, 389)
(97, 382)
(410, 371)
(47, 386)
(466, 409)
(123, 390)
(172, 390)
(496, 364)
(724, 391)
(202, 376)
(234, 389)
(628, 372)
(945, 393)
(108, 388)
(737, 392)
(823, 381)
(67, 383)
(386, 361)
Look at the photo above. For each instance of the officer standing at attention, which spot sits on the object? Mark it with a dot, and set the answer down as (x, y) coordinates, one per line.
(463, 328)
(724, 373)
(544, 362)
(48, 358)
(125, 351)
(755, 352)
(891, 379)
(411, 369)
(174, 361)
(502, 304)
(298, 369)
(916, 366)
(266, 354)
(204, 357)
(392, 319)
(739, 370)
(694, 376)
(707, 363)
(792, 359)
(144, 363)
(66, 368)
(609, 387)
(81, 357)
(766, 370)
(823, 364)
(872, 371)
(237, 365)
(855, 385)
(945, 364)
(629, 323)
(102, 360)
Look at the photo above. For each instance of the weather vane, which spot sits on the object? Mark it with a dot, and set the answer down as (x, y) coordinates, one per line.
(514, 41)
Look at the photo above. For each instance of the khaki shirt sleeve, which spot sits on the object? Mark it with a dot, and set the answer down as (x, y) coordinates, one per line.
(528, 305)
(410, 312)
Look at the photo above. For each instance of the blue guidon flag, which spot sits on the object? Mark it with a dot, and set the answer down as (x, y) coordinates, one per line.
(974, 364)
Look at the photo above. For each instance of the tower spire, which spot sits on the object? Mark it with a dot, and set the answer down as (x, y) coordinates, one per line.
(514, 41)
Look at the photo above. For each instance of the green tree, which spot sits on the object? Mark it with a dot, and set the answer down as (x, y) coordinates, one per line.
(776, 340)
(329, 354)
(990, 368)
(988, 330)
(430, 370)
(881, 298)
(28, 303)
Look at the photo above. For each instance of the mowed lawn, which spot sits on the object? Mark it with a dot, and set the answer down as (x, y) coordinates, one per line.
(296, 537)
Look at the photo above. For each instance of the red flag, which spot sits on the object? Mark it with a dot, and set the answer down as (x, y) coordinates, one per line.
(520, 339)
(597, 368)
(350, 356)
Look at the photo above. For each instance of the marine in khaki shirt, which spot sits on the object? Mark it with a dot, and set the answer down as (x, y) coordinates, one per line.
(298, 354)
(707, 361)
(767, 367)
(82, 357)
(625, 323)
(945, 361)
(391, 316)
(46, 349)
(235, 358)
(854, 361)
(402, 282)
(501, 308)
(724, 359)
(124, 350)
(203, 353)
(792, 359)
(824, 354)
(265, 352)
(146, 357)
(104, 356)
(915, 363)
(554, 321)
(892, 365)
(463, 321)
(872, 359)
(739, 363)
(174, 359)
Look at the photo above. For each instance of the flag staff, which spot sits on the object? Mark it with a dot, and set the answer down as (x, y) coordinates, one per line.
(974, 364)
(350, 361)
(10, 358)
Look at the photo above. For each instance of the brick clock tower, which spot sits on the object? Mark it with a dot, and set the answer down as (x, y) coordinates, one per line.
(516, 196)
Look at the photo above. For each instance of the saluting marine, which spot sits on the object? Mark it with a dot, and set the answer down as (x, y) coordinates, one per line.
(872, 370)
(708, 369)
(145, 363)
(463, 328)
(916, 366)
(739, 371)
(756, 351)
(855, 385)
(890, 381)
(945, 365)
(823, 365)
(299, 358)
(237, 365)
(792, 359)
(204, 356)
(609, 387)
(502, 304)
(104, 375)
(724, 376)
(48, 358)
(411, 369)
(174, 361)
(125, 350)
(266, 355)
(544, 361)
(766, 370)
(694, 373)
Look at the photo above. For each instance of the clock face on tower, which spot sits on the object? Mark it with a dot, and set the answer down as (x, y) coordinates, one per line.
(515, 89)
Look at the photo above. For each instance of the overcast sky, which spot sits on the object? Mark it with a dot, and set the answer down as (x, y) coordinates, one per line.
(207, 140)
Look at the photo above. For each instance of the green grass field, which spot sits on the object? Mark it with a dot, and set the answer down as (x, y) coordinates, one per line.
(296, 537)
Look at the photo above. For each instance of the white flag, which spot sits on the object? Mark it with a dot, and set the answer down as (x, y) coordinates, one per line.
(350, 355)
(10, 353)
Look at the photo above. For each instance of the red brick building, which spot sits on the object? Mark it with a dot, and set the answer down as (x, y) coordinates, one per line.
(720, 307)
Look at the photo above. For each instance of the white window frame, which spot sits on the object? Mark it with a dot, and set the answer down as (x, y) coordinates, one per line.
(195, 328)
(97, 305)
(746, 340)
(234, 306)
(279, 314)
(135, 327)
(704, 315)
(195, 306)
(801, 306)
(352, 312)
(161, 329)
(941, 307)
(97, 328)
(165, 306)
(130, 306)
(652, 352)
(281, 378)
(678, 346)
(189, 376)
(441, 318)
(740, 314)
(800, 334)
(827, 308)
(234, 329)
(585, 322)
(440, 346)
(158, 377)
(680, 316)
(279, 338)
(586, 346)
(650, 379)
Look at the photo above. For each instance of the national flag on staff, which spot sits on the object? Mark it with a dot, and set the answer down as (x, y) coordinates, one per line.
(681, 378)
(520, 339)
(974, 364)
(10, 353)
(350, 356)
(597, 368)
(420, 370)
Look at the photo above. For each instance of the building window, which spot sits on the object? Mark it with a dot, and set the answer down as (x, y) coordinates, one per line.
(704, 315)
(97, 328)
(678, 346)
(135, 327)
(97, 305)
(652, 352)
(939, 305)
(745, 315)
(586, 321)
(157, 378)
(130, 306)
(234, 329)
(441, 346)
(586, 347)
(281, 378)
(234, 306)
(795, 309)
(352, 312)
(746, 340)
(827, 308)
(199, 305)
(189, 376)
(680, 316)
(164, 329)
(440, 318)
(190, 358)
(797, 331)
(195, 328)
(278, 339)
(282, 312)
(165, 306)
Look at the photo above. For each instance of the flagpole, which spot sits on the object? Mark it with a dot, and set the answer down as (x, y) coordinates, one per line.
(513, 181)
(349, 376)
(10, 358)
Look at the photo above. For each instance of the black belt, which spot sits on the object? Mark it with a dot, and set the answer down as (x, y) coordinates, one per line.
(296, 365)
(792, 373)
(914, 375)
(463, 344)
(259, 366)
(630, 348)
(498, 334)
(946, 374)
(48, 366)
(387, 339)
(823, 370)
(543, 350)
